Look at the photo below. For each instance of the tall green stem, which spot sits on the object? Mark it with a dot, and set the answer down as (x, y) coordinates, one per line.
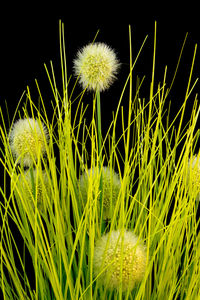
(99, 126)
(33, 184)
(99, 133)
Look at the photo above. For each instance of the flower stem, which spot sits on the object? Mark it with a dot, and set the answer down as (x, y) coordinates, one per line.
(99, 133)
(33, 183)
(99, 126)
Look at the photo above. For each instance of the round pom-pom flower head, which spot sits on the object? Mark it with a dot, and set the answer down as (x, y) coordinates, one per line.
(89, 184)
(96, 66)
(27, 140)
(33, 188)
(120, 259)
(193, 176)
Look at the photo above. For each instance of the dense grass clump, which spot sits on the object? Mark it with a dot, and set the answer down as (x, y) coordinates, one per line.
(87, 215)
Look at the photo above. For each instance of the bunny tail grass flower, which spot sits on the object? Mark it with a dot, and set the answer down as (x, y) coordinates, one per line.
(96, 66)
(27, 137)
(89, 182)
(120, 259)
(33, 185)
(193, 175)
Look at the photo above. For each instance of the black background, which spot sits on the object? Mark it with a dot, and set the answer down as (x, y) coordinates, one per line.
(30, 38)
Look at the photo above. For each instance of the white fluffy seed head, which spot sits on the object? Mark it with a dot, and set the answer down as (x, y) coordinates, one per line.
(193, 175)
(121, 259)
(33, 188)
(111, 185)
(27, 139)
(96, 66)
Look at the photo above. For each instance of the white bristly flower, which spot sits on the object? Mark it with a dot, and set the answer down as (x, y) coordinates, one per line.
(33, 189)
(193, 175)
(96, 66)
(89, 182)
(27, 137)
(123, 260)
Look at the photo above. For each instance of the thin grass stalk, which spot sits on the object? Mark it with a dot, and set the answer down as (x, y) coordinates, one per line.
(99, 136)
(187, 92)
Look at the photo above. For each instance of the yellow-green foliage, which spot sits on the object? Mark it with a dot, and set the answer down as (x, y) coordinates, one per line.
(63, 245)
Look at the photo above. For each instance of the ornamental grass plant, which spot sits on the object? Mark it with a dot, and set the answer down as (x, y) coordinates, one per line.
(57, 239)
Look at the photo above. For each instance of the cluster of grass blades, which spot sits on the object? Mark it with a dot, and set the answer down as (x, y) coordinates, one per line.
(47, 250)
